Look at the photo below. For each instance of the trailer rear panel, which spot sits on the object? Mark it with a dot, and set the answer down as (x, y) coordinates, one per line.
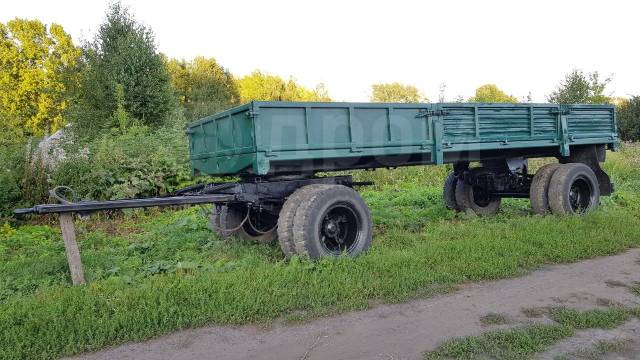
(272, 138)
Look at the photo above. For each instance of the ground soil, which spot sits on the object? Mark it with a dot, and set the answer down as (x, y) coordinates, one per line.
(407, 330)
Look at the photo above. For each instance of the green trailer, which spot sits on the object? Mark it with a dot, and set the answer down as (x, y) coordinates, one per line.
(279, 149)
(281, 146)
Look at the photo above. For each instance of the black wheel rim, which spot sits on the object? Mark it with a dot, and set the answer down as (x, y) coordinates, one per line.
(340, 229)
(580, 195)
(481, 197)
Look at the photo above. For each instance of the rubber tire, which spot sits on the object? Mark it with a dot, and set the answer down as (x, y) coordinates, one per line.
(449, 193)
(560, 186)
(464, 196)
(307, 220)
(285, 220)
(538, 192)
(230, 217)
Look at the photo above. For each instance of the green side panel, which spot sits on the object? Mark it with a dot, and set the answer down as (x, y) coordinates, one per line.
(545, 122)
(328, 126)
(590, 121)
(369, 126)
(504, 122)
(499, 122)
(338, 126)
(282, 126)
(224, 143)
(459, 123)
(405, 126)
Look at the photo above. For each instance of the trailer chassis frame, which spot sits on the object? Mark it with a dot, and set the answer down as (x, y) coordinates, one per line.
(263, 194)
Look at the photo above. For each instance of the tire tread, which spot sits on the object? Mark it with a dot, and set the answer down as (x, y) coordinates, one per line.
(538, 192)
(285, 220)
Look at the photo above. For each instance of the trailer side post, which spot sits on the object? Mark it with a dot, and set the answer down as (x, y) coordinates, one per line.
(71, 248)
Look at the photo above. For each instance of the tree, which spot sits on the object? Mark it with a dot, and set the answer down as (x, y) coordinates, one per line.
(202, 86)
(123, 53)
(261, 86)
(628, 112)
(490, 93)
(580, 88)
(38, 73)
(396, 92)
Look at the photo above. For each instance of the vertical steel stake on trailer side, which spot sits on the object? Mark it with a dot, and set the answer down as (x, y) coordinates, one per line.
(71, 248)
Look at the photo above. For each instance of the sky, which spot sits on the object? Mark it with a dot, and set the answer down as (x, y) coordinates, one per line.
(522, 46)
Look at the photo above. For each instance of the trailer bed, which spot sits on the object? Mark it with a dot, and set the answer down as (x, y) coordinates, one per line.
(276, 138)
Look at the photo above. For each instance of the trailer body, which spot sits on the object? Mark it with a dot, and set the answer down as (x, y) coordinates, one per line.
(276, 138)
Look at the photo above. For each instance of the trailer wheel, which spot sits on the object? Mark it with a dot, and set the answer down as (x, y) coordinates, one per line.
(476, 198)
(573, 189)
(538, 192)
(330, 221)
(235, 219)
(449, 193)
(285, 220)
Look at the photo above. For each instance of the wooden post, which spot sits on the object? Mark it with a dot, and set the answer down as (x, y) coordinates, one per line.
(71, 248)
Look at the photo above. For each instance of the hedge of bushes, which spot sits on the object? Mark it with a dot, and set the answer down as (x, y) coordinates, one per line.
(135, 162)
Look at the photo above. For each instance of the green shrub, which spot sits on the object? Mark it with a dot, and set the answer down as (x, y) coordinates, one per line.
(135, 162)
(122, 163)
(11, 165)
(23, 178)
(629, 119)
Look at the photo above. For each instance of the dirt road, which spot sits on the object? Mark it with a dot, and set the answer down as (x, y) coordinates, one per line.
(400, 331)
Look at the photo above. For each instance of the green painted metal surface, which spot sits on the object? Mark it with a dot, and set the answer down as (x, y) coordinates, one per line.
(251, 138)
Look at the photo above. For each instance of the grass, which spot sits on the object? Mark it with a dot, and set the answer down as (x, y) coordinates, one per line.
(513, 344)
(592, 319)
(494, 319)
(163, 271)
(524, 342)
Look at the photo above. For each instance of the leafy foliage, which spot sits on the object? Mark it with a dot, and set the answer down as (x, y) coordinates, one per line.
(202, 86)
(396, 92)
(629, 118)
(123, 53)
(261, 86)
(580, 88)
(120, 116)
(490, 93)
(123, 163)
(12, 165)
(38, 72)
(23, 176)
(136, 162)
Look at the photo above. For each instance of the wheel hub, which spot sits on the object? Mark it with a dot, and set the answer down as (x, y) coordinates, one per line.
(580, 195)
(331, 228)
(339, 229)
